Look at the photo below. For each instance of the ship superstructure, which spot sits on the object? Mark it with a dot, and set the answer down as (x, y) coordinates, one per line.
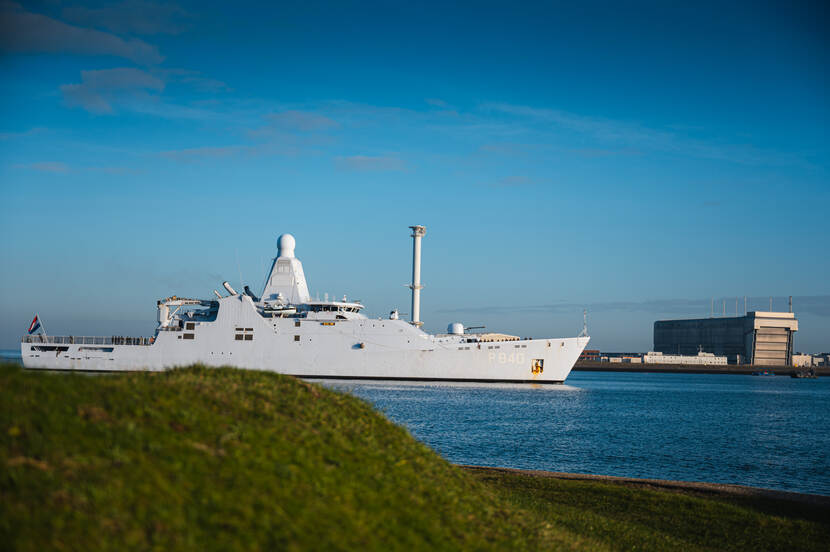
(284, 330)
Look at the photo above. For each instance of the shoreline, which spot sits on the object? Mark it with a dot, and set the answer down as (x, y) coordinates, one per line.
(717, 489)
(740, 369)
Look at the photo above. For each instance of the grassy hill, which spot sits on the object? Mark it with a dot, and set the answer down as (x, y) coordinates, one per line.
(229, 459)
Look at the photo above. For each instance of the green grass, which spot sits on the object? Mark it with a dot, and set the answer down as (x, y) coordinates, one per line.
(627, 517)
(226, 459)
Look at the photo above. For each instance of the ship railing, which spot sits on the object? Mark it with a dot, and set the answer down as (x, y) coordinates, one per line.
(88, 340)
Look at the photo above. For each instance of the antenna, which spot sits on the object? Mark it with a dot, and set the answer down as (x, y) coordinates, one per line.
(745, 305)
(238, 267)
(584, 323)
(418, 232)
(267, 275)
(770, 303)
(791, 303)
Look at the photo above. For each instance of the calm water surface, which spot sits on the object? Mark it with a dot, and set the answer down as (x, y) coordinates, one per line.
(769, 432)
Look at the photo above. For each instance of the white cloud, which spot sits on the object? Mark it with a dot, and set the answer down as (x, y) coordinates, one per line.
(50, 167)
(633, 138)
(306, 121)
(23, 134)
(24, 31)
(57, 167)
(131, 17)
(191, 154)
(194, 79)
(814, 304)
(98, 89)
(369, 163)
(513, 181)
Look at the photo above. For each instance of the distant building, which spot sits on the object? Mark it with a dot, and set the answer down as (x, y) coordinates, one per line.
(707, 359)
(589, 355)
(621, 357)
(626, 360)
(761, 338)
(803, 361)
(806, 360)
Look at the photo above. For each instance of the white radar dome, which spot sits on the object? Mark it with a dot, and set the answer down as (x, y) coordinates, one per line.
(456, 328)
(285, 245)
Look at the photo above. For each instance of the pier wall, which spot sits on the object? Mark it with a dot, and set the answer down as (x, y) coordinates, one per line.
(691, 368)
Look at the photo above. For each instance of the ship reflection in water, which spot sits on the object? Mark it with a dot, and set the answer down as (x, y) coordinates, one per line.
(762, 432)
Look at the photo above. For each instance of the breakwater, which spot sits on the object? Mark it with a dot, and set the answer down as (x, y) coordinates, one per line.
(743, 369)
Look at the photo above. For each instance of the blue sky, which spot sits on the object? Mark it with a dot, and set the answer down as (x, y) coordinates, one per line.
(635, 159)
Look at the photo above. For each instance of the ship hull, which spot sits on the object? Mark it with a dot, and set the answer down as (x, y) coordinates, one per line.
(317, 348)
(506, 362)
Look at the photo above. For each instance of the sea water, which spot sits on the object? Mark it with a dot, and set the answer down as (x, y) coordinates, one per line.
(771, 432)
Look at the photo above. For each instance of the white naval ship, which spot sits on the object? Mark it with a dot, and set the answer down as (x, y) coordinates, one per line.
(285, 331)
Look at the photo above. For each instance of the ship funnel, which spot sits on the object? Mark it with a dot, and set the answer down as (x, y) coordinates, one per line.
(228, 287)
(418, 232)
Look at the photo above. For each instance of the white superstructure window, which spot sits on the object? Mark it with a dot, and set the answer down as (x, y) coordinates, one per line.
(243, 334)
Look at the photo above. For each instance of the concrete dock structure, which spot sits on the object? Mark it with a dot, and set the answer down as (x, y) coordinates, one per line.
(759, 338)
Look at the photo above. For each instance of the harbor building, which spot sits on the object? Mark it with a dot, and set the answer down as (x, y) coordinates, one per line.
(803, 360)
(761, 338)
(589, 355)
(705, 359)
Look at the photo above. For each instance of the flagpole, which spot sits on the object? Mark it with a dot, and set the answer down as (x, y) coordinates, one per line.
(42, 327)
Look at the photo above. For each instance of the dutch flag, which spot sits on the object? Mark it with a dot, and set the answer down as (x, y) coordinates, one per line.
(34, 325)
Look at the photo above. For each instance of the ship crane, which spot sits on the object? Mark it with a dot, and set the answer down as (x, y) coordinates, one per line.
(164, 305)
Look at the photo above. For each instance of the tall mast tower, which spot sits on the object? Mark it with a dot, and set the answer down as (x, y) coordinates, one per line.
(418, 232)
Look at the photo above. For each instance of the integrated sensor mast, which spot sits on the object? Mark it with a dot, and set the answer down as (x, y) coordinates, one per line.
(418, 232)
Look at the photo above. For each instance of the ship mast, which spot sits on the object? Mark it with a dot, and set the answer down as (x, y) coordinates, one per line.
(418, 232)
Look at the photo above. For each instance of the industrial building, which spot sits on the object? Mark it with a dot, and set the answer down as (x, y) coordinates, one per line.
(761, 338)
